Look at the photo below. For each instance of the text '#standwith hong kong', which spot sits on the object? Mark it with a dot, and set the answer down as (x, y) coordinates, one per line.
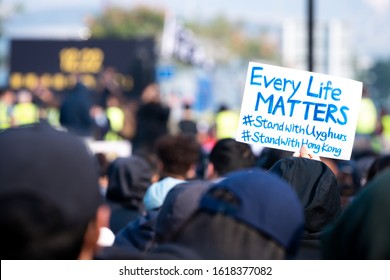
(285, 108)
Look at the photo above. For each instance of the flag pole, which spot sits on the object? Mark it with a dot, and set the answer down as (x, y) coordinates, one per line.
(168, 36)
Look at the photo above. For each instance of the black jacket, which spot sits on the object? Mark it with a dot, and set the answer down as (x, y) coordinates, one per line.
(152, 123)
(74, 111)
(317, 188)
(362, 231)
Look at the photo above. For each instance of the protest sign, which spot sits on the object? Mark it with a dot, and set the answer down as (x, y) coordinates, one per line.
(285, 108)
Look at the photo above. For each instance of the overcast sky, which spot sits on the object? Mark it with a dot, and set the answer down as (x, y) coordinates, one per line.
(369, 20)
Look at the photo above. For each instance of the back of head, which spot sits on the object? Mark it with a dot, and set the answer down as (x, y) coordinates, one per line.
(48, 191)
(151, 94)
(24, 96)
(316, 186)
(248, 215)
(349, 179)
(363, 229)
(128, 181)
(7, 95)
(269, 156)
(229, 155)
(177, 153)
(379, 164)
(180, 203)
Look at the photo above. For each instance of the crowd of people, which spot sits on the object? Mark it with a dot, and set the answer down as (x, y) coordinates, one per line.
(187, 194)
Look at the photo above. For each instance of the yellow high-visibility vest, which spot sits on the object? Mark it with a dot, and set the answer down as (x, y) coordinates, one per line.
(53, 116)
(386, 126)
(368, 116)
(5, 119)
(116, 116)
(25, 113)
(226, 124)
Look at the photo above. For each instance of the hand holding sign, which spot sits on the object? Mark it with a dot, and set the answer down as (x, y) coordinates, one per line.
(305, 153)
(287, 109)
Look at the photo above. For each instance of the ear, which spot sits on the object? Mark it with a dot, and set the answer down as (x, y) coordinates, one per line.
(158, 172)
(155, 178)
(91, 236)
(160, 167)
(210, 172)
(191, 172)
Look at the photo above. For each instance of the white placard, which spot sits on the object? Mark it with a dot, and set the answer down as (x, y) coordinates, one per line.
(285, 108)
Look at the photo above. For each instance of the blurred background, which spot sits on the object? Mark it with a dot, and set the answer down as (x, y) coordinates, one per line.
(196, 51)
(351, 36)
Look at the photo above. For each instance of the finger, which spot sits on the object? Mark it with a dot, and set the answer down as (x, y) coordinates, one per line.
(304, 152)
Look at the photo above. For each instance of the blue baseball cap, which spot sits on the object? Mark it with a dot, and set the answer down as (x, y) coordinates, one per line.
(265, 203)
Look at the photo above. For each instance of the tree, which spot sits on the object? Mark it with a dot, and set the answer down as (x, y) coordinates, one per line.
(234, 40)
(120, 23)
(222, 39)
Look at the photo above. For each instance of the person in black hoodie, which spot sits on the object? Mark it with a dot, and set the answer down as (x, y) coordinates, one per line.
(75, 111)
(317, 188)
(128, 179)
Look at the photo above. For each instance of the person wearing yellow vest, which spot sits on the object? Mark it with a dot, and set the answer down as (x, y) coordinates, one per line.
(386, 126)
(385, 131)
(116, 117)
(367, 125)
(7, 100)
(226, 122)
(48, 105)
(368, 117)
(25, 111)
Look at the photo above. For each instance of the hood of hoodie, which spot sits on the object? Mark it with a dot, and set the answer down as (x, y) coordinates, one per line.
(128, 180)
(317, 188)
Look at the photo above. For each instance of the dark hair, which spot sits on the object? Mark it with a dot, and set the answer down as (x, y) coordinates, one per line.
(102, 164)
(269, 156)
(187, 106)
(2, 90)
(33, 228)
(349, 177)
(229, 155)
(379, 164)
(177, 152)
(222, 107)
